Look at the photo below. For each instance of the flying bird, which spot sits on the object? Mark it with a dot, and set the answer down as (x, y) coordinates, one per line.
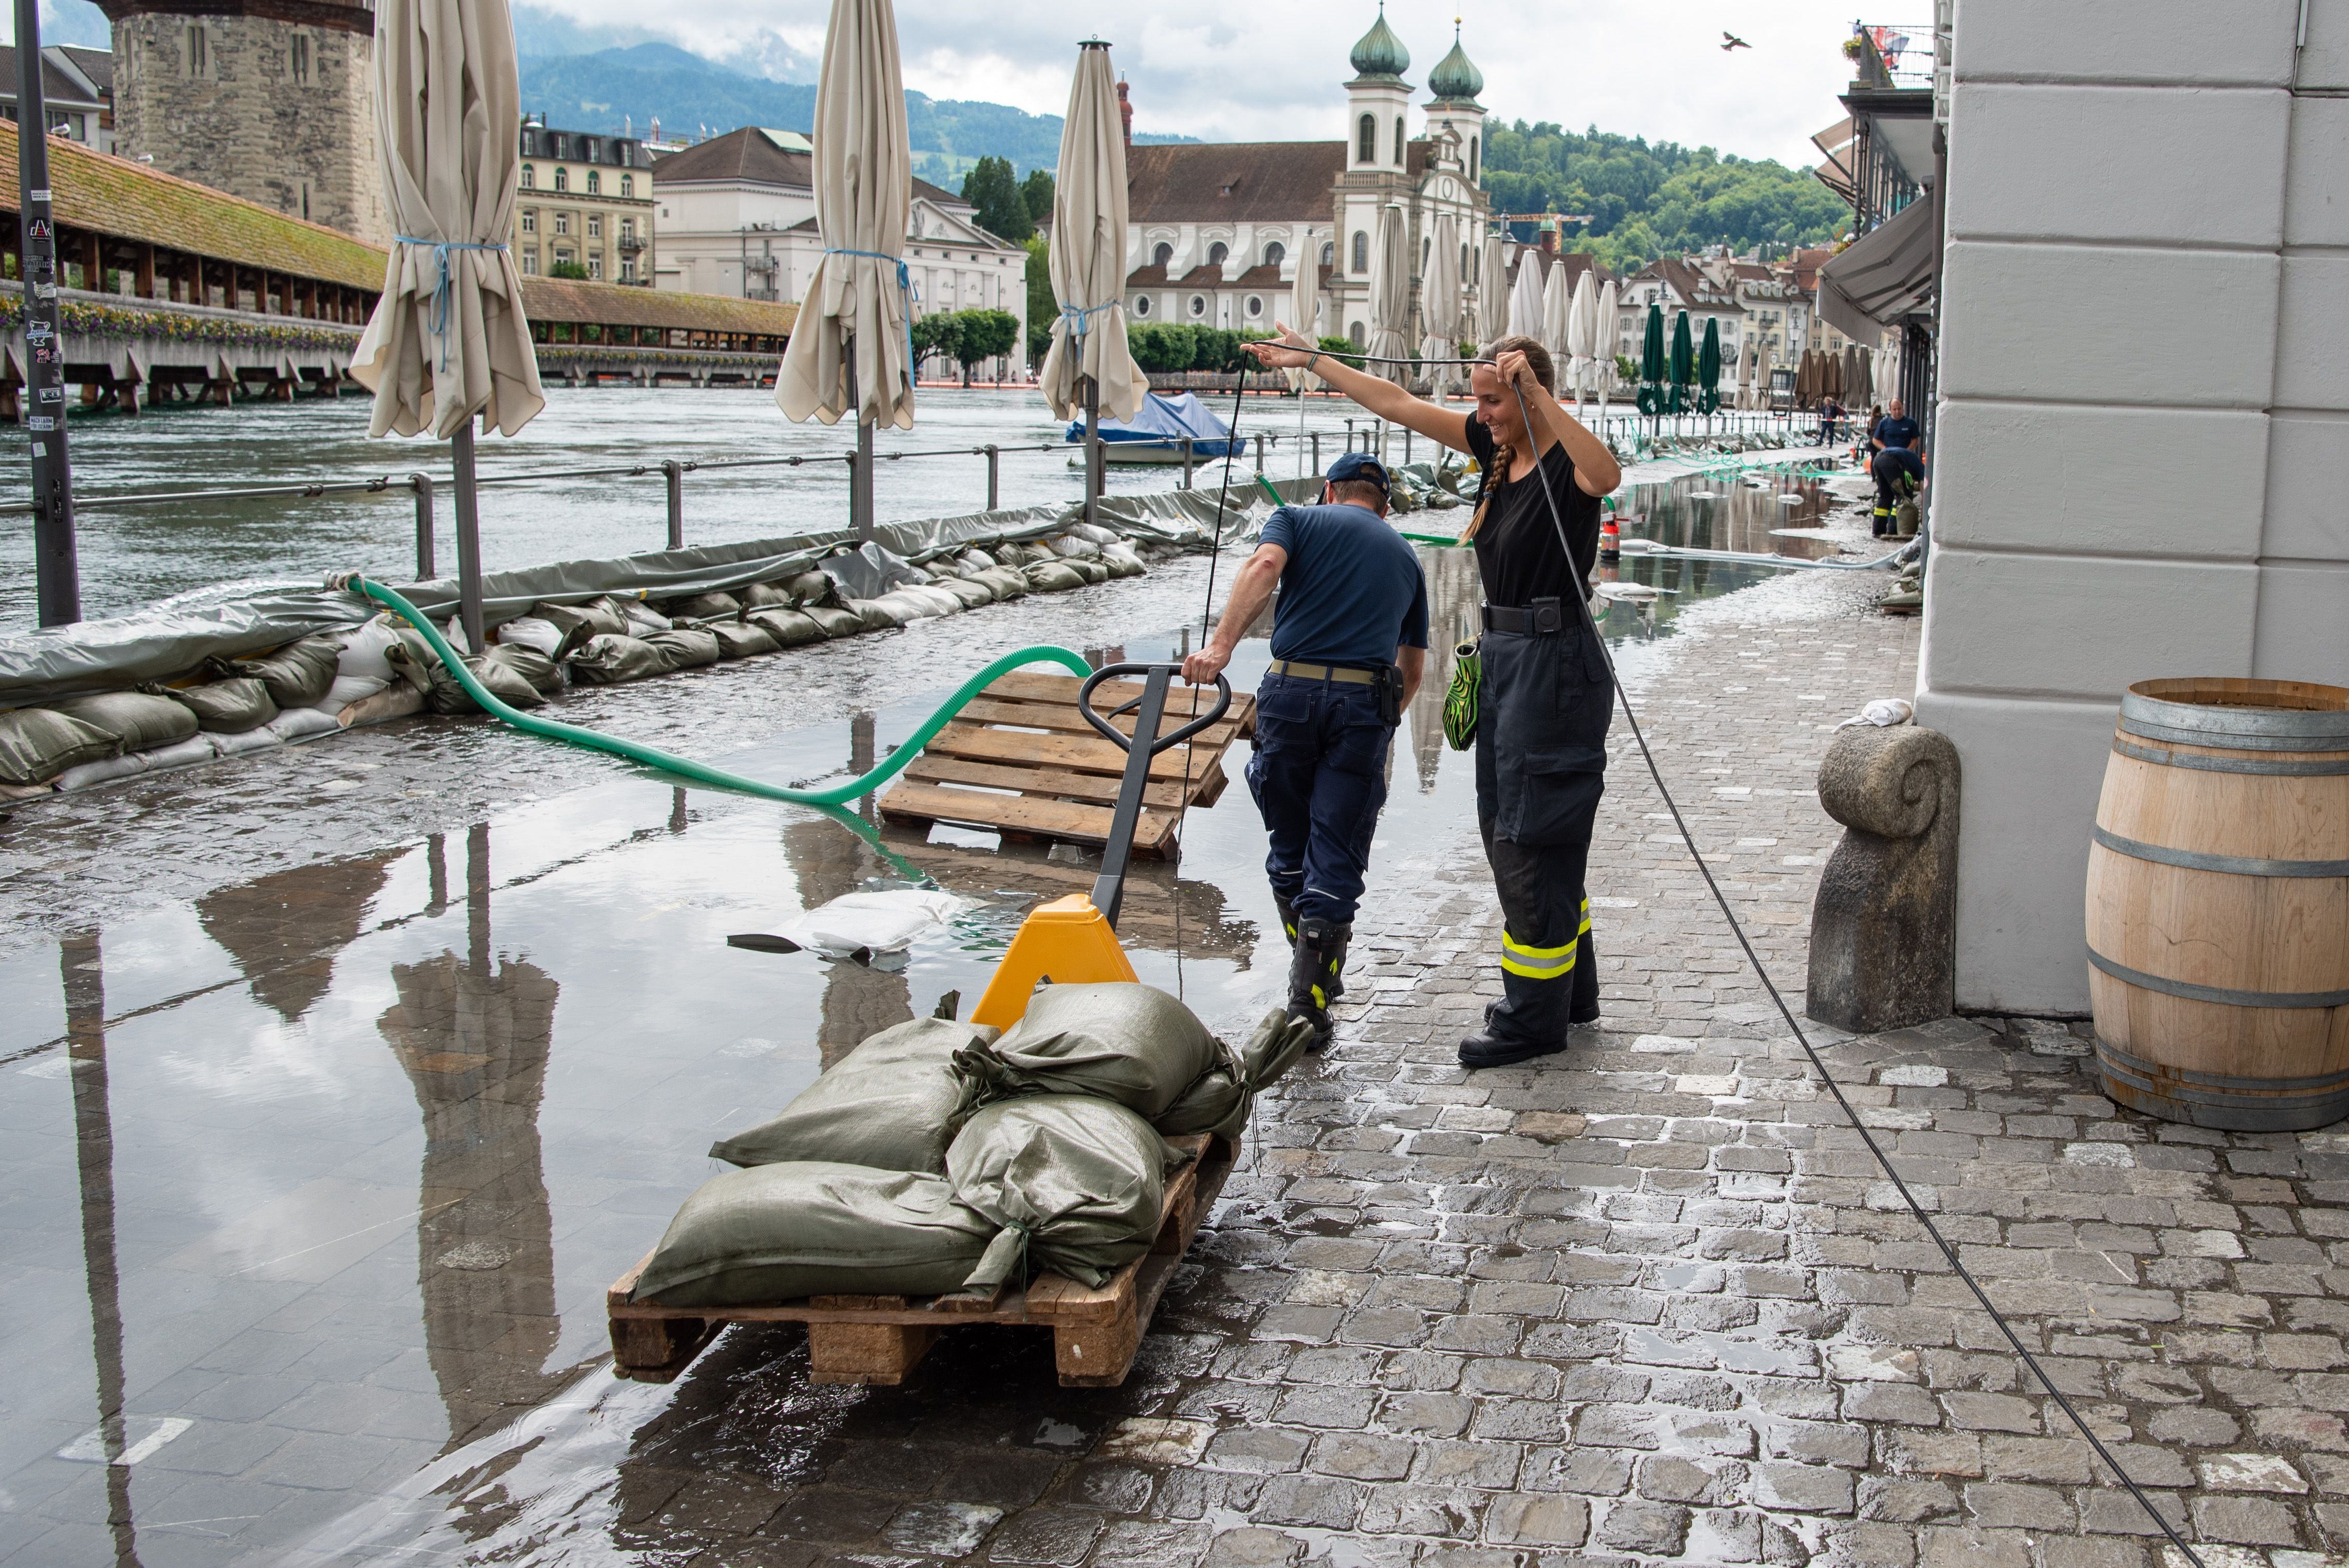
(1731, 41)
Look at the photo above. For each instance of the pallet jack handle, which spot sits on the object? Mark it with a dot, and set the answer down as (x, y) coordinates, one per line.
(1149, 712)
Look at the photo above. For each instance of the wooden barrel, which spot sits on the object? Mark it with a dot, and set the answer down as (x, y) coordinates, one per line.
(2219, 904)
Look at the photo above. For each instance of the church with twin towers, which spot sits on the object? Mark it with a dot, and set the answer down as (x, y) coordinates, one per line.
(1216, 231)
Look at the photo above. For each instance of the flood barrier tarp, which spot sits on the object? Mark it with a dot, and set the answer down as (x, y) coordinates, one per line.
(172, 637)
(1164, 421)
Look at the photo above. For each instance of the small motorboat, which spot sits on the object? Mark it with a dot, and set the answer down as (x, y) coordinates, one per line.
(1156, 433)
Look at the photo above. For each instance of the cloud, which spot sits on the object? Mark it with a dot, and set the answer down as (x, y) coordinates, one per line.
(1241, 70)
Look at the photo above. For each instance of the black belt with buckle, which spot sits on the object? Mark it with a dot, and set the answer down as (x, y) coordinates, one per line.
(1541, 616)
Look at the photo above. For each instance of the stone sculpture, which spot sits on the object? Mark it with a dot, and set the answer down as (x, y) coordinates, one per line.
(1883, 928)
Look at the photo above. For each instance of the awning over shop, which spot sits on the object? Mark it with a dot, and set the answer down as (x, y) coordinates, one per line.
(1887, 275)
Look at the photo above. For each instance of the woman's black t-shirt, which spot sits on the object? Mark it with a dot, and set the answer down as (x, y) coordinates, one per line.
(1517, 554)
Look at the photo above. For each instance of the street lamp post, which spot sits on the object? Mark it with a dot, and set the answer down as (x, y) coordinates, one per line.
(57, 571)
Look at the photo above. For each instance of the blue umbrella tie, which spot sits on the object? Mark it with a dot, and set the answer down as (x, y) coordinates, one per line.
(904, 286)
(441, 249)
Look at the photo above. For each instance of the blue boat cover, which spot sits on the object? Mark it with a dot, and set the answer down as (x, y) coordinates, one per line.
(1167, 420)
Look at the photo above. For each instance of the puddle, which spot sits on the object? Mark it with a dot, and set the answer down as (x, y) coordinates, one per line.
(316, 1183)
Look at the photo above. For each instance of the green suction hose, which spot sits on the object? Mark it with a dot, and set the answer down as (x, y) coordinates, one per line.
(685, 767)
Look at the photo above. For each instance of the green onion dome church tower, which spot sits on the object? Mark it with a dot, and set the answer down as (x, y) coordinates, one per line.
(1379, 100)
(1453, 85)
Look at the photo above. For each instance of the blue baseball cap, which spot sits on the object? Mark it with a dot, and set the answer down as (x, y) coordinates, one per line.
(1358, 466)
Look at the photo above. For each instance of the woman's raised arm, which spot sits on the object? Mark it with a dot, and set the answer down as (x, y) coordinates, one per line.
(1292, 351)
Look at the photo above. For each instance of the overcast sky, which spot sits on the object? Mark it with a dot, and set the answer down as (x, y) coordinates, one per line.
(1249, 71)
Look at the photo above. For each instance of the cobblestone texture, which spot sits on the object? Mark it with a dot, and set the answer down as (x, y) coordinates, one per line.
(1647, 1301)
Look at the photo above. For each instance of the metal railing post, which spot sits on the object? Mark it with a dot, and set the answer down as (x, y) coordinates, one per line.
(994, 475)
(1406, 443)
(1317, 451)
(422, 485)
(673, 476)
(1186, 462)
(1259, 452)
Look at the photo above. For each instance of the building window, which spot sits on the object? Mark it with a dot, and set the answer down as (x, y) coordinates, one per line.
(1361, 251)
(1255, 305)
(297, 59)
(1329, 253)
(1472, 160)
(563, 255)
(529, 178)
(1141, 304)
(529, 261)
(596, 265)
(1366, 140)
(594, 225)
(1216, 253)
(1426, 249)
(628, 271)
(530, 220)
(1463, 260)
(301, 193)
(561, 178)
(1399, 141)
(1274, 253)
(627, 185)
(1354, 334)
(1198, 305)
(594, 182)
(1161, 254)
(627, 229)
(196, 59)
(562, 222)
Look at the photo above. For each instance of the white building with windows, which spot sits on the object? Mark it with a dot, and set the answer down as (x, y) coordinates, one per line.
(737, 216)
(585, 202)
(1677, 286)
(1219, 229)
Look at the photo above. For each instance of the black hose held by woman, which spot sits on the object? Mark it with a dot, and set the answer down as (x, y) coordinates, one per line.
(1547, 694)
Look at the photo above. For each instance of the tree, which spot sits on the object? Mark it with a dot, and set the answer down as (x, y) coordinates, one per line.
(1043, 309)
(571, 270)
(1036, 193)
(1002, 207)
(938, 335)
(983, 335)
(1162, 347)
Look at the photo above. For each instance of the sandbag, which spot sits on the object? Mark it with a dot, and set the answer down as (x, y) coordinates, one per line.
(1091, 568)
(599, 617)
(835, 621)
(711, 606)
(140, 720)
(810, 587)
(895, 1103)
(975, 560)
(1121, 560)
(236, 743)
(1053, 576)
(296, 675)
(361, 656)
(877, 614)
(685, 649)
(910, 603)
(544, 676)
(443, 693)
(608, 660)
(969, 592)
(349, 689)
(398, 701)
(1133, 1044)
(642, 619)
(768, 596)
(1219, 1098)
(225, 707)
(941, 595)
(790, 628)
(545, 636)
(1093, 532)
(1077, 1184)
(186, 753)
(1009, 581)
(780, 1233)
(303, 723)
(105, 770)
(1072, 546)
(740, 639)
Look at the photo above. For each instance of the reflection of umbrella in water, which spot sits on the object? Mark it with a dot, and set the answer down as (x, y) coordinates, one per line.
(448, 339)
(285, 929)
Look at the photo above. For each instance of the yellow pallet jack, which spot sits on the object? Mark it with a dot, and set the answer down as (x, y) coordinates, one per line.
(1072, 941)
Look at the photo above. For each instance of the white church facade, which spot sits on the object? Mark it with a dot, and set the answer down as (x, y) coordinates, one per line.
(1217, 232)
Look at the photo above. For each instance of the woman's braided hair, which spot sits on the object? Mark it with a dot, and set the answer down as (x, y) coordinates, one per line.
(1504, 458)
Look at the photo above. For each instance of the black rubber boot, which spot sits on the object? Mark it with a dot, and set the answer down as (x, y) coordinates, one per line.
(1316, 973)
(1529, 1021)
(1287, 914)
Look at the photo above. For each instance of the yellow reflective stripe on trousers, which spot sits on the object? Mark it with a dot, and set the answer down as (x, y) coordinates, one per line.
(1536, 962)
(1585, 917)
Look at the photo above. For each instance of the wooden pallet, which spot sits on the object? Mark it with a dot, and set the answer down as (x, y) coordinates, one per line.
(879, 1339)
(1021, 760)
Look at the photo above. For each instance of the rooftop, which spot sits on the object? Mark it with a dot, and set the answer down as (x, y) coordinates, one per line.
(1241, 181)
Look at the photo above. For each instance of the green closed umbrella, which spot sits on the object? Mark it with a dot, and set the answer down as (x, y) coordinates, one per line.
(1708, 367)
(1651, 363)
(1684, 365)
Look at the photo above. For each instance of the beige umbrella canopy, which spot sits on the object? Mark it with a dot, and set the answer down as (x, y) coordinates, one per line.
(1439, 303)
(849, 351)
(1389, 298)
(1581, 369)
(1609, 328)
(1526, 295)
(1089, 251)
(1493, 293)
(1305, 310)
(1557, 315)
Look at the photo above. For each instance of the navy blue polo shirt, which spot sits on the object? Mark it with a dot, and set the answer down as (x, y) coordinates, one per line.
(1352, 591)
(1900, 432)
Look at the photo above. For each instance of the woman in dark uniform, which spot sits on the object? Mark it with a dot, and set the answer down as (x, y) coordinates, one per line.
(1541, 737)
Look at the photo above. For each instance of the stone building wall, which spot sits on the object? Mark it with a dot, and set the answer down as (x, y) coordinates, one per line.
(275, 112)
(2144, 416)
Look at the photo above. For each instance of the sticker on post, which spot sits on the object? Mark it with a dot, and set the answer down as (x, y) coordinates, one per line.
(52, 395)
(40, 422)
(40, 228)
(39, 193)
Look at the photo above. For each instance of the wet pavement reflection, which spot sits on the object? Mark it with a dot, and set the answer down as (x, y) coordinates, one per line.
(312, 1186)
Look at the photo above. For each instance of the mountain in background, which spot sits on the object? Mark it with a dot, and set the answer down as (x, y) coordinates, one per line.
(623, 88)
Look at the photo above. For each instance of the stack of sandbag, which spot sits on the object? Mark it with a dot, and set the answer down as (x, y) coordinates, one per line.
(1043, 1148)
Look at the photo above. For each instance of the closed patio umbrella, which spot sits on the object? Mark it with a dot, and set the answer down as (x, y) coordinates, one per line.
(1305, 310)
(1653, 367)
(1491, 293)
(1390, 299)
(850, 352)
(1090, 364)
(1708, 367)
(1887, 376)
(1684, 365)
(1582, 337)
(448, 339)
(1607, 328)
(1558, 313)
(1763, 368)
(1439, 306)
(1746, 374)
(1526, 295)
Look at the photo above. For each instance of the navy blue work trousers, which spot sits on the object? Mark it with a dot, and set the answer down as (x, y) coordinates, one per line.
(1319, 776)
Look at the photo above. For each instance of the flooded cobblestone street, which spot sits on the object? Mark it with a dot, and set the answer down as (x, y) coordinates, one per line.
(340, 1085)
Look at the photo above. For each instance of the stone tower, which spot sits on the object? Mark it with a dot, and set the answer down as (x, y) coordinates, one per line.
(272, 100)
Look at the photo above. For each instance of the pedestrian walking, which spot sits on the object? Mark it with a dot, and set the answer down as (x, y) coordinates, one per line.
(1349, 648)
(1898, 466)
(1545, 695)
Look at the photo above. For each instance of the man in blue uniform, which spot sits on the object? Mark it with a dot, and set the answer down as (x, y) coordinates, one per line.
(1348, 646)
(1898, 468)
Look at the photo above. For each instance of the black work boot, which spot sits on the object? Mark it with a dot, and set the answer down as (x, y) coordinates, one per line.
(1287, 911)
(1315, 974)
(1529, 1021)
